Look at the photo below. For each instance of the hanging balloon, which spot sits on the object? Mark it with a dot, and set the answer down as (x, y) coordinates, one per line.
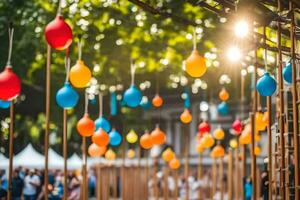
(233, 143)
(223, 108)
(85, 126)
(265, 118)
(145, 104)
(260, 125)
(207, 141)
(110, 155)
(131, 137)
(100, 138)
(158, 136)
(257, 150)
(132, 96)
(200, 148)
(174, 163)
(80, 75)
(266, 85)
(4, 104)
(186, 116)
(217, 152)
(223, 95)
(219, 134)
(237, 126)
(10, 84)
(113, 104)
(257, 137)
(245, 138)
(287, 73)
(157, 101)
(130, 153)
(103, 123)
(195, 65)
(146, 141)
(58, 33)
(96, 151)
(204, 127)
(67, 97)
(115, 138)
(168, 155)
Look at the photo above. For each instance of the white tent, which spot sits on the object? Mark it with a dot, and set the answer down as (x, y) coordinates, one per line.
(3, 161)
(55, 160)
(74, 162)
(29, 157)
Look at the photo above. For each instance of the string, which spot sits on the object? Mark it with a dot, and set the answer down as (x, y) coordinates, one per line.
(132, 70)
(100, 104)
(266, 51)
(157, 83)
(67, 65)
(79, 48)
(195, 39)
(86, 103)
(59, 7)
(10, 37)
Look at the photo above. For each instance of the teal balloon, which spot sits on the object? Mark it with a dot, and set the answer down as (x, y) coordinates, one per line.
(4, 104)
(115, 138)
(266, 85)
(103, 123)
(145, 104)
(132, 96)
(223, 108)
(67, 97)
(287, 73)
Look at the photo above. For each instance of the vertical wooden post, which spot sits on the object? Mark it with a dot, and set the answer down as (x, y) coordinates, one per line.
(166, 185)
(65, 152)
(214, 178)
(236, 174)
(221, 175)
(186, 165)
(47, 119)
(84, 169)
(176, 184)
(253, 156)
(11, 149)
(295, 104)
(229, 179)
(200, 175)
(99, 197)
(155, 168)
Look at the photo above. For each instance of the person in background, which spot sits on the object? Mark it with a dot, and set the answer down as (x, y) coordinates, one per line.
(3, 184)
(31, 184)
(92, 183)
(17, 185)
(265, 185)
(248, 189)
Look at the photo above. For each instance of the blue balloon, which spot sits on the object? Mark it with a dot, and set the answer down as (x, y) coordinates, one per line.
(115, 138)
(67, 97)
(103, 123)
(266, 85)
(287, 73)
(4, 104)
(132, 96)
(223, 108)
(146, 105)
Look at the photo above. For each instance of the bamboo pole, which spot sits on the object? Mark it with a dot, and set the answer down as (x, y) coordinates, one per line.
(221, 174)
(47, 119)
(65, 152)
(253, 156)
(84, 170)
(186, 165)
(200, 175)
(176, 184)
(237, 177)
(99, 197)
(11, 149)
(229, 179)
(155, 181)
(214, 178)
(166, 188)
(295, 104)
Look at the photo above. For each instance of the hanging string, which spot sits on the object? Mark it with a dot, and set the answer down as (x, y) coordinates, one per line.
(86, 103)
(79, 48)
(157, 83)
(10, 38)
(100, 104)
(194, 39)
(132, 70)
(266, 51)
(59, 7)
(67, 64)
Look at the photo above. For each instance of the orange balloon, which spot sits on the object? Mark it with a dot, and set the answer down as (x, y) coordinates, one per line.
(207, 140)
(186, 116)
(146, 141)
(260, 125)
(217, 152)
(174, 163)
(219, 134)
(157, 101)
(101, 138)
(245, 138)
(96, 151)
(110, 154)
(257, 150)
(195, 65)
(266, 118)
(168, 155)
(200, 148)
(85, 126)
(223, 95)
(158, 136)
(80, 75)
(130, 153)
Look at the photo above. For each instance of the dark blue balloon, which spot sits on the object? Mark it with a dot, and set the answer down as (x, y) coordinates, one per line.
(132, 96)
(103, 123)
(67, 97)
(4, 104)
(115, 138)
(266, 85)
(223, 108)
(287, 73)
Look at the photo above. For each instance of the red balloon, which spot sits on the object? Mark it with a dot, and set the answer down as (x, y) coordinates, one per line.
(58, 33)
(204, 127)
(10, 84)
(237, 126)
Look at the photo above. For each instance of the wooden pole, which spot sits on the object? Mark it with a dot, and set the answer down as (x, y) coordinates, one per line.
(65, 152)
(99, 197)
(200, 175)
(84, 169)
(237, 175)
(214, 178)
(253, 163)
(176, 184)
(123, 168)
(295, 104)
(243, 147)
(11, 149)
(47, 120)
(156, 192)
(221, 175)
(229, 179)
(186, 165)
(166, 186)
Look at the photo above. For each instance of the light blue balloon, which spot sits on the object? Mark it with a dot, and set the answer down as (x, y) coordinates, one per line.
(115, 138)
(132, 96)
(266, 85)
(103, 123)
(223, 108)
(4, 104)
(287, 73)
(67, 97)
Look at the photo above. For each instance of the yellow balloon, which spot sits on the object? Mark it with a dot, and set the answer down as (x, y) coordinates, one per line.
(110, 155)
(233, 143)
(130, 153)
(257, 150)
(200, 148)
(131, 137)
(207, 140)
(260, 125)
(80, 75)
(245, 138)
(186, 116)
(195, 65)
(219, 134)
(168, 155)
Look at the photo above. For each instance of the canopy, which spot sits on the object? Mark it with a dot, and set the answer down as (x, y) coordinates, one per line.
(29, 157)
(74, 162)
(3, 161)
